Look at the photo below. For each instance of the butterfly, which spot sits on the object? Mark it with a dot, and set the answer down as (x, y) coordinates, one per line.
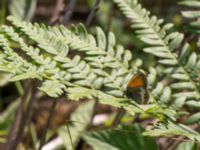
(137, 88)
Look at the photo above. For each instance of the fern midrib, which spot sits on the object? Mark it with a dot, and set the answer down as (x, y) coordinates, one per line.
(190, 79)
(165, 46)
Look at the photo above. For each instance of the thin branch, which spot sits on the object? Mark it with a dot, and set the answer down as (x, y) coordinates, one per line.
(110, 17)
(43, 138)
(70, 137)
(118, 117)
(19, 88)
(175, 143)
(21, 117)
(94, 108)
(92, 13)
(2, 11)
(69, 11)
(56, 13)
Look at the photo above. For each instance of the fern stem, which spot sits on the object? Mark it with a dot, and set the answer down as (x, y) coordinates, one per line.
(92, 13)
(43, 138)
(69, 11)
(70, 137)
(118, 117)
(19, 88)
(191, 81)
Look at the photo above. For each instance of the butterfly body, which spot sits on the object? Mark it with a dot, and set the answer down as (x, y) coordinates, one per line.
(137, 88)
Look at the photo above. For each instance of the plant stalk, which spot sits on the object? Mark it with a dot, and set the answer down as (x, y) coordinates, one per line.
(21, 117)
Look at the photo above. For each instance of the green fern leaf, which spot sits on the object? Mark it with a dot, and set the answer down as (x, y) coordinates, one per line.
(123, 137)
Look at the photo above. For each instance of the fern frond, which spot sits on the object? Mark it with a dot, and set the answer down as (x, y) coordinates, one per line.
(96, 68)
(162, 44)
(100, 73)
(159, 91)
(127, 137)
(58, 40)
(194, 25)
(49, 62)
(11, 62)
(170, 129)
(162, 93)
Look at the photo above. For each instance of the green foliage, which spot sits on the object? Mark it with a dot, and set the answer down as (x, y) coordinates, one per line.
(182, 69)
(92, 71)
(195, 118)
(169, 129)
(123, 137)
(99, 69)
(187, 145)
(194, 14)
(81, 65)
(7, 117)
(101, 73)
(161, 42)
(22, 9)
(4, 77)
(2, 11)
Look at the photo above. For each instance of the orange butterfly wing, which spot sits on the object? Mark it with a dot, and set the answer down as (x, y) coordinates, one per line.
(137, 88)
(139, 80)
